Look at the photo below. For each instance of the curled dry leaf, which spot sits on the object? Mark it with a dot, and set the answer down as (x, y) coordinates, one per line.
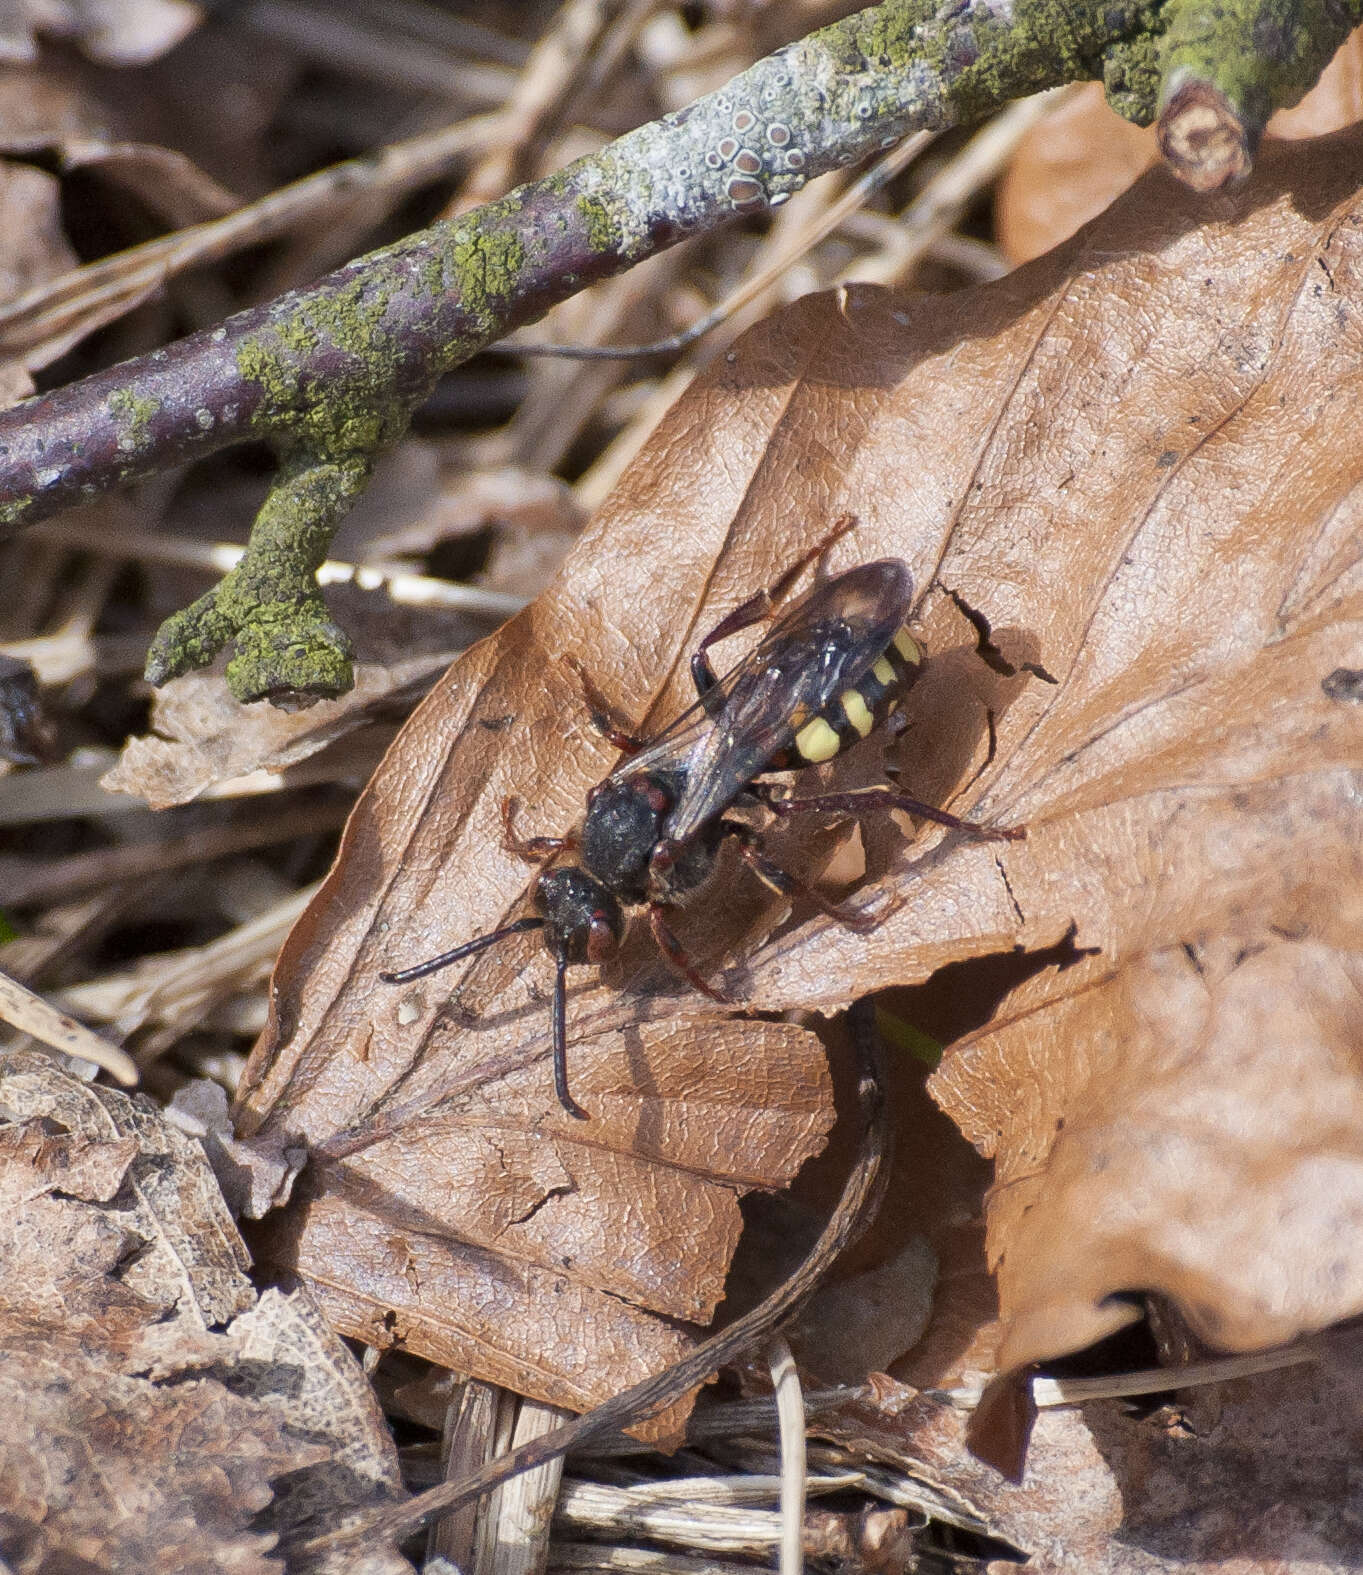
(1252, 1475)
(1135, 462)
(203, 737)
(49, 300)
(1193, 1127)
(175, 1246)
(156, 1414)
(33, 250)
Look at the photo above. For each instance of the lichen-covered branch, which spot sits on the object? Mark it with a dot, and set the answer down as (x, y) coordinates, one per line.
(343, 361)
(331, 374)
(287, 647)
(1227, 65)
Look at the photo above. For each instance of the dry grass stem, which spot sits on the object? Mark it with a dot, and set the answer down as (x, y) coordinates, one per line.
(790, 1412)
(21, 1008)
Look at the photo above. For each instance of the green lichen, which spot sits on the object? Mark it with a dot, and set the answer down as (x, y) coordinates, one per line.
(430, 263)
(1132, 73)
(973, 60)
(886, 38)
(290, 648)
(356, 411)
(605, 234)
(133, 413)
(15, 510)
(486, 262)
(1038, 33)
(1261, 55)
(259, 361)
(269, 608)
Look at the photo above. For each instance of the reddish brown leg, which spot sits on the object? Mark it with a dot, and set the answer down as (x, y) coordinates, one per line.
(788, 885)
(676, 954)
(882, 798)
(528, 847)
(761, 606)
(605, 718)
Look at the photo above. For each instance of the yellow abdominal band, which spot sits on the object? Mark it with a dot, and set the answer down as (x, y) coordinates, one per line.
(816, 741)
(856, 712)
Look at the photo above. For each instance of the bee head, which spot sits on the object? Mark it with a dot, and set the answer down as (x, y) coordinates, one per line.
(582, 918)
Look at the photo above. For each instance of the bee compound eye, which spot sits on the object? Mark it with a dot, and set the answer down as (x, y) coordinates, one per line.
(602, 938)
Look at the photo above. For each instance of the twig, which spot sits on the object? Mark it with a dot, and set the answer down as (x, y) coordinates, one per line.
(395, 44)
(523, 1508)
(219, 557)
(1050, 1392)
(1221, 79)
(551, 78)
(331, 374)
(177, 988)
(61, 311)
(939, 206)
(728, 1419)
(856, 196)
(27, 882)
(467, 1441)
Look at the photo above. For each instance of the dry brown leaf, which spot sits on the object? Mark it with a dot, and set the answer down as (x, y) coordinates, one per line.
(45, 306)
(189, 1258)
(1137, 461)
(59, 114)
(522, 502)
(498, 1237)
(203, 737)
(1192, 1125)
(1065, 172)
(1254, 1476)
(79, 1490)
(156, 1414)
(862, 1324)
(33, 248)
(171, 185)
(44, 108)
(1085, 155)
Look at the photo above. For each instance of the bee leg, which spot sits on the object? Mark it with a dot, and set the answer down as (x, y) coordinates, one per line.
(604, 717)
(676, 954)
(761, 606)
(885, 798)
(787, 885)
(528, 847)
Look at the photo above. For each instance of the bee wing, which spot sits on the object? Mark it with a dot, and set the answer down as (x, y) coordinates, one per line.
(820, 647)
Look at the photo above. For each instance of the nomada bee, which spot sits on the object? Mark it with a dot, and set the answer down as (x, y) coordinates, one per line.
(832, 669)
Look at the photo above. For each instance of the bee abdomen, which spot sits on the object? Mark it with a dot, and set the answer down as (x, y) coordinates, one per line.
(858, 711)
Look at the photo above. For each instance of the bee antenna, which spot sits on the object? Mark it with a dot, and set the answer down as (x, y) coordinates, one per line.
(468, 949)
(560, 1016)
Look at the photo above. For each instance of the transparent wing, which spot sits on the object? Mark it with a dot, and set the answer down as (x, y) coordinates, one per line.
(820, 647)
